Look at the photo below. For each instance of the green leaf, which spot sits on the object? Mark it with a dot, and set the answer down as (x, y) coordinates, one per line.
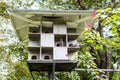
(103, 22)
(114, 30)
(114, 54)
(98, 46)
(108, 9)
(118, 53)
(100, 10)
(90, 41)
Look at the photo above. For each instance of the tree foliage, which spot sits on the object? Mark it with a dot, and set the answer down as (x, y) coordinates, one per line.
(3, 12)
(100, 45)
(102, 40)
(13, 62)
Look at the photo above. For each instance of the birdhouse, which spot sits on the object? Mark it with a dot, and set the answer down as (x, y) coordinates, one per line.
(51, 36)
(56, 42)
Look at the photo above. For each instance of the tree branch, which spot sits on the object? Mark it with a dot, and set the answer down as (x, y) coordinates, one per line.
(113, 4)
(92, 52)
(99, 28)
(108, 57)
(102, 59)
(81, 5)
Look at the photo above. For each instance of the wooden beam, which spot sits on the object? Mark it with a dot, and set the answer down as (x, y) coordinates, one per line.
(26, 25)
(86, 18)
(25, 37)
(23, 18)
(99, 70)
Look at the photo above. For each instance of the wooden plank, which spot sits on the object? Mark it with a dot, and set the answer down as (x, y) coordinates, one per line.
(99, 70)
(60, 53)
(46, 65)
(60, 29)
(47, 40)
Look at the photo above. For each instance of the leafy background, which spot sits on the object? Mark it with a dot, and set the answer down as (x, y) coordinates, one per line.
(100, 43)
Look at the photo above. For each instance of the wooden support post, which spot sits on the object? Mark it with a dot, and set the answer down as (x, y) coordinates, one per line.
(51, 73)
(53, 70)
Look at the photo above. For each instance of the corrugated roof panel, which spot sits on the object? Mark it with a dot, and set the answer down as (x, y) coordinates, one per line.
(22, 19)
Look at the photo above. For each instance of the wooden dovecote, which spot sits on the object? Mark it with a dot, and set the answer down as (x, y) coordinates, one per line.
(57, 42)
(51, 36)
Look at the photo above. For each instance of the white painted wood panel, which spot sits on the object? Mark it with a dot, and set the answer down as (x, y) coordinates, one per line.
(60, 29)
(60, 53)
(47, 40)
(33, 43)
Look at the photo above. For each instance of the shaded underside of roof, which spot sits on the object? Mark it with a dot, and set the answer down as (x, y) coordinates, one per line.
(23, 19)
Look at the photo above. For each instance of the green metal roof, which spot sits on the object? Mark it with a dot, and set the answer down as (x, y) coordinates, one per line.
(23, 19)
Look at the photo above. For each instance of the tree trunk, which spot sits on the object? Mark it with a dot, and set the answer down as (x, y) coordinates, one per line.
(108, 60)
(81, 4)
(105, 57)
